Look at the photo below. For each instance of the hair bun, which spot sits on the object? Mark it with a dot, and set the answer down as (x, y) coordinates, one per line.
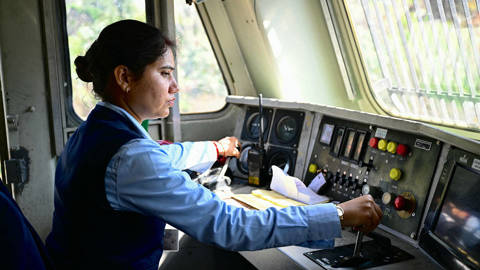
(82, 68)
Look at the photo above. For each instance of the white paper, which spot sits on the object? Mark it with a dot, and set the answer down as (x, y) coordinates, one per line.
(294, 188)
(317, 183)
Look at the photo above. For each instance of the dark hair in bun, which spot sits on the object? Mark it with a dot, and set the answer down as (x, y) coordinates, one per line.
(82, 69)
(130, 43)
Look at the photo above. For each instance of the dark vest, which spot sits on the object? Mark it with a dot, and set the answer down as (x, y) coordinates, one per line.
(20, 246)
(87, 233)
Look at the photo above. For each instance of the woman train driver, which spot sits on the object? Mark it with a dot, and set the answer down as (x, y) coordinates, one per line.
(115, 188)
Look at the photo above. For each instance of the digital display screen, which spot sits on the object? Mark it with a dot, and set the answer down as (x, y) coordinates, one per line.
(338, 141)
(327, 133)
(347, 151)
(360, 143)
(459, 220)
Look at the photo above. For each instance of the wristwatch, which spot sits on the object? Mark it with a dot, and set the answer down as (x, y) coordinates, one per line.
(340, 211)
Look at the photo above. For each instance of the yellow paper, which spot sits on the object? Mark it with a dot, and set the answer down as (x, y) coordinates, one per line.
(254, 201)
(275, 198)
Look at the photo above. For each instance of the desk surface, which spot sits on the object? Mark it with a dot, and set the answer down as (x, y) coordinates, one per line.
(291, 257)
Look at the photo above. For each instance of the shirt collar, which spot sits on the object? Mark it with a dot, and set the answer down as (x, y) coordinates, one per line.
(126, 114)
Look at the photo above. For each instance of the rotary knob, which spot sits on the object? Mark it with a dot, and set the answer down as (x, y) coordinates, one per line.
(373, 142)
(382, 145)
(392, 147)
(386, 198)
(395, 174)
(402, 150)
(312, 168)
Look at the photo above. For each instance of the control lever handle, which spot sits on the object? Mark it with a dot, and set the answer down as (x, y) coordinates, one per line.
(358, 244)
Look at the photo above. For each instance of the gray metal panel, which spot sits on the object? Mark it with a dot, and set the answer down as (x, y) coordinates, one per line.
(55, 67)
(368, 118)
(4, 141)
(229, 48)
(26, 87)
(421, 261)
(303, 144)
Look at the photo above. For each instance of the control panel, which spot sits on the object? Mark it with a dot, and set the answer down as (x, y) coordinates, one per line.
(393, 166)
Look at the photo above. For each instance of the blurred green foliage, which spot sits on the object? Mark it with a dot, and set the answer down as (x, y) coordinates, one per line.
(202, 88)
(200, 80)
(85, 21)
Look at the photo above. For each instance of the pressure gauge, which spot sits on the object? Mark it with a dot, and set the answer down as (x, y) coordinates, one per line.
(287, 128)
(253, 126)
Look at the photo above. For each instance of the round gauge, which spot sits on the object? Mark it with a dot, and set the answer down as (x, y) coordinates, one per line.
(282, 160)
(286, 128)
(242, 162)
(253, 125)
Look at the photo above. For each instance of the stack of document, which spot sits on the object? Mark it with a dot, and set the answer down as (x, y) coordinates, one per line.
(294, 188)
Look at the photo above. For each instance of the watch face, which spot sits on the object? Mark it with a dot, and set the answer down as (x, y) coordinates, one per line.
(340, 212)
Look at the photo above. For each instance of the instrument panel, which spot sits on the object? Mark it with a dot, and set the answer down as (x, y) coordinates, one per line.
(415, 172)
(359, 159)
(281, 134)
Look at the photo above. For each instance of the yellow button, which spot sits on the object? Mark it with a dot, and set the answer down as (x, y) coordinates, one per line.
(312, 168)
(395, 174)
(392, 147)
(382, 145)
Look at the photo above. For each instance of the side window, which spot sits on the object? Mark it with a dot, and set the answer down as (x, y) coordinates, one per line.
(85, 20)
(422, 57)
(202, 88)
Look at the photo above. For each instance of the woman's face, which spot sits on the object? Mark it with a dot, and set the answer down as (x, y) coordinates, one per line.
(152, 95)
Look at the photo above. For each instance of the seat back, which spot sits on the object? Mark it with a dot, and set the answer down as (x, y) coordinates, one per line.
(20, 245)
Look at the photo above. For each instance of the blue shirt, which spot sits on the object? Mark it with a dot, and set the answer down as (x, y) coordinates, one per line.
(147, 178)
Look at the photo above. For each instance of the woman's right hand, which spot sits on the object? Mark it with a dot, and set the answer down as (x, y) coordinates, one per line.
(229, 147)
(362, 213)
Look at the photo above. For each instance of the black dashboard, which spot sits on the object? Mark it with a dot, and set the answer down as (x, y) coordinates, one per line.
(425, 180)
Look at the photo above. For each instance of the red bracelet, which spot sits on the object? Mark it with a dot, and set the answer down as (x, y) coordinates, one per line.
(216, 148)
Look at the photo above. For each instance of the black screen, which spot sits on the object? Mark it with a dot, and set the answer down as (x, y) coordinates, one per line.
(459, 220)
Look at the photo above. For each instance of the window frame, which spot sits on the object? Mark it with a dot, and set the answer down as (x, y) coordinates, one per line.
(218, 53)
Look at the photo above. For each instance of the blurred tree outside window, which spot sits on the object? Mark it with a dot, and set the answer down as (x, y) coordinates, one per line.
(202, 88)
(85, 20)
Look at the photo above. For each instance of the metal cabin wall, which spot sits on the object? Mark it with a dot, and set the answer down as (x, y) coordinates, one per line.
(27, 97)
(306, 66)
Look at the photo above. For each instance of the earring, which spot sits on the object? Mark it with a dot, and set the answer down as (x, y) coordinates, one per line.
(127, 90)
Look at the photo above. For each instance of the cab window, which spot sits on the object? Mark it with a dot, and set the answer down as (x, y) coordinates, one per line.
(85, 19)
(421, 57)
(202, 87)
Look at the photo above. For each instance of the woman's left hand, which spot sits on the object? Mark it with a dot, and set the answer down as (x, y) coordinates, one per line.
(229, 147)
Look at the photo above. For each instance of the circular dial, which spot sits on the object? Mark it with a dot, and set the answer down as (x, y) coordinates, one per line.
(287, 129)
(243, 160)
(281, 160)
(253, 125)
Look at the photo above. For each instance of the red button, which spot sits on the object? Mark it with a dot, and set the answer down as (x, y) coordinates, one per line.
(402, 150)
(373, 142)
(401, 203)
